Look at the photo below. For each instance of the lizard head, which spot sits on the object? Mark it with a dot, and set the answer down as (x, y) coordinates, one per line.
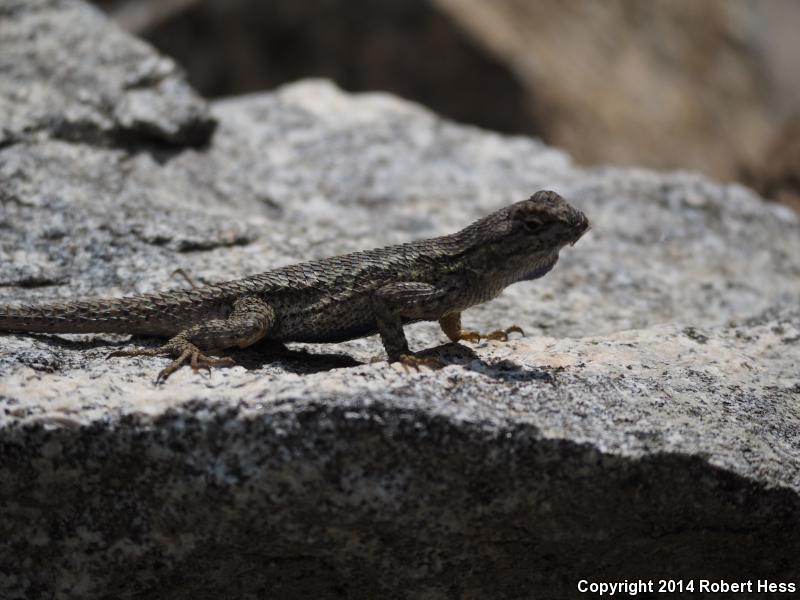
(522, 241)
(546, 221)
(530, 234)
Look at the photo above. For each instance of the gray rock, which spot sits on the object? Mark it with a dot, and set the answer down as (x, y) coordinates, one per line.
(646, 426)
(70, 73)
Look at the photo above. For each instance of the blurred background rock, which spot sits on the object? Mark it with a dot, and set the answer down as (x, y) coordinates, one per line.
(712, 86)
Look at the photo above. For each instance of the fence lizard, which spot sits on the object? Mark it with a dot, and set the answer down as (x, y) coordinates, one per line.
(333, 299)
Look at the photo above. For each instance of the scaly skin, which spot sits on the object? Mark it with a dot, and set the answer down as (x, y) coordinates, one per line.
(334, 299)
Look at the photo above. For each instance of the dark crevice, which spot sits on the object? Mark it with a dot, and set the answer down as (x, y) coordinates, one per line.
(405, 47)
(33, 282)
(7, 142)
(132, 142)
(135, 141)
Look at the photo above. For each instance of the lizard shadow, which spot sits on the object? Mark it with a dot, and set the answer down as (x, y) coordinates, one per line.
(303, 362)
(299, 362)
(90, 343)
(510, 372)
(504, 370)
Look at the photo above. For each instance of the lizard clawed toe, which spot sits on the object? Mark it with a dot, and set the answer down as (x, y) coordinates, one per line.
(501, 335)
(470, 336)
(197, 360)
(206, 362)
(185, 352)
(135, 352)
(201, 361)
(173, 366)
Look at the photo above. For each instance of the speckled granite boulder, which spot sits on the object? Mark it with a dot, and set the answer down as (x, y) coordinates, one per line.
(646, 426)
(66, 72)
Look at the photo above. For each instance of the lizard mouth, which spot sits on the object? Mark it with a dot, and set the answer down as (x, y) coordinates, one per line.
(579, 229)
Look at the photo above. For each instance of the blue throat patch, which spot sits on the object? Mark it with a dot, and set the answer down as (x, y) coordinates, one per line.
(539, 271)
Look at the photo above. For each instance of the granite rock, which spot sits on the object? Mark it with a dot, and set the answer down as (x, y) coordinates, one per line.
(69, 73)
(646, 426)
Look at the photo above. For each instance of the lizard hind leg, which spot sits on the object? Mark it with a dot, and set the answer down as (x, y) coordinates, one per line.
(183, 351)
(248, 322)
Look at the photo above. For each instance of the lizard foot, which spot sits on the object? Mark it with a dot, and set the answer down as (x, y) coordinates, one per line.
(184, 351)
(470, 336)
(197, 360)
(500, 335)
(411, 361)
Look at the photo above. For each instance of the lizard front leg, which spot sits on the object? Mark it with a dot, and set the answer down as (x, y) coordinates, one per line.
(249, 321)
(451, 325)
(409, 301)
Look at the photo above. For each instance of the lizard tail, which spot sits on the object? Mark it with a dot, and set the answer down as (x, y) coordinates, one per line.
(162, 314)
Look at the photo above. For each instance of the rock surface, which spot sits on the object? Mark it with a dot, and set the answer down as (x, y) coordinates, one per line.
(710, 86)
(67, 72)
(647, 425)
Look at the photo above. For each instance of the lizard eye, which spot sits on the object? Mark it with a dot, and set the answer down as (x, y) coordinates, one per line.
(531, 224)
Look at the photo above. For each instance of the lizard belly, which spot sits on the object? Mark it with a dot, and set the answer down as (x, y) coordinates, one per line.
(327, 321)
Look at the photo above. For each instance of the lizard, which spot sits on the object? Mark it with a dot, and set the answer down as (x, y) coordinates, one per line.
(333, 299)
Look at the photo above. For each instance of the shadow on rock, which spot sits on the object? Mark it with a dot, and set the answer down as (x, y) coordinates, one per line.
(505, 370)
(300, 362)
(303, 362)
